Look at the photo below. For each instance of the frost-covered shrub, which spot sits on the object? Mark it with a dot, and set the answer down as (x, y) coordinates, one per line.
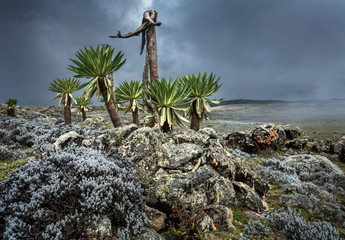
(254, 229)
(294, 227)
(5, 153)
(67, 192)
(37, 135)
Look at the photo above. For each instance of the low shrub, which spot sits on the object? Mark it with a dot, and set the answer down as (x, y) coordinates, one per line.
(65, 193)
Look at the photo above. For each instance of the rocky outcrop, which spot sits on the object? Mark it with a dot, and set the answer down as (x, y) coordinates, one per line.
(190, 169)
(266, 137)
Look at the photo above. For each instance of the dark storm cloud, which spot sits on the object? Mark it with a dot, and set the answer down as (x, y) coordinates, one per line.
(267, 49)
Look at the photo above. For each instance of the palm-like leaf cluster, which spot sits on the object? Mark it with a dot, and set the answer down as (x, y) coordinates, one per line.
(11, 103)
(97, 63)
(130, 92)
(200, 87)
(82, 102)
(169, 97)
(64, 88)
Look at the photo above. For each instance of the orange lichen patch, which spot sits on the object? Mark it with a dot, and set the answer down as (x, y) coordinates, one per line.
(265, 137)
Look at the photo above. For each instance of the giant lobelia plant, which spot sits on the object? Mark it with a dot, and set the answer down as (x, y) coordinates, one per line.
(200, 87)
(170, 97)
(64, 89)
(98, 63)
(131, 92)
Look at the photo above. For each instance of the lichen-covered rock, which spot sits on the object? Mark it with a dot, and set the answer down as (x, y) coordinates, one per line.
(175, 156)
(221, 216)
(291, 131)
(168, 187)
(157, 218)
(240, 140)
(67, 139)
(148, 234)
(268, 136)
(297, 144)
(120, 133)
(204, 225)
(220, 191)
(220, 159)
(141, 143)
(192, 137)
(249, 198)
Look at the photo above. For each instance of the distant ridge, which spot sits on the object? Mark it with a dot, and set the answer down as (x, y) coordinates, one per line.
(247, 101)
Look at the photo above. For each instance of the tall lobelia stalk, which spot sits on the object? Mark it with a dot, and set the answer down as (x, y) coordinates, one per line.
(98, 63)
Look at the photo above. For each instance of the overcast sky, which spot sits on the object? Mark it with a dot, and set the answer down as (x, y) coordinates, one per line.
(261, 49)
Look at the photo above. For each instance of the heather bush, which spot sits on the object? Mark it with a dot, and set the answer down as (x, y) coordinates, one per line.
(37, 135)
(294, 227)
(65, 193)
(254, 230)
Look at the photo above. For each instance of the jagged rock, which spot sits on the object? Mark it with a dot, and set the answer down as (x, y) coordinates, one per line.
(140, 144)
(249, 198)
(268, 136)
(168, 187)
(67, 139)
(291, 131)
(148, 234)
(204, 225)
(220, 159)
(255, 216)
(157, 218)
(209, 132)
(221, 216)
(120, 133)
(219, 191)
(175, 156)
(337, 147)
(240, 140)
(260, 186)
(321, 146)
(192, 137)
(297, 144)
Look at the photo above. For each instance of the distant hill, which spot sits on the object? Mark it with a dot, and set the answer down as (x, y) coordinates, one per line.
(246, 101)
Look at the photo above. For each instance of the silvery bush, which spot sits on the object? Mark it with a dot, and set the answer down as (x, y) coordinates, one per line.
(67, 192)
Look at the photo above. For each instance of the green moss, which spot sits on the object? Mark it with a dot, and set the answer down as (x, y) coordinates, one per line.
(8, 166)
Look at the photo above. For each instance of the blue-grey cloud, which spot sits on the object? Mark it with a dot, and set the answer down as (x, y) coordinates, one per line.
(288, 49)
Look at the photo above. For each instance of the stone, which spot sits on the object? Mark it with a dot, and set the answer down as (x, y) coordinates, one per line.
(221, 216)
(209, 132)
(120, 133)
(67, 139)
(220, 191)
(249, 198)
(157, 218)
(148, 234)
(220, 159)
(203, 226)
(291, 131)
(240, 140)
(297, 144)
(337, 147)
(140, 144)
(175, 155)
(192, 137)
(268, 136)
